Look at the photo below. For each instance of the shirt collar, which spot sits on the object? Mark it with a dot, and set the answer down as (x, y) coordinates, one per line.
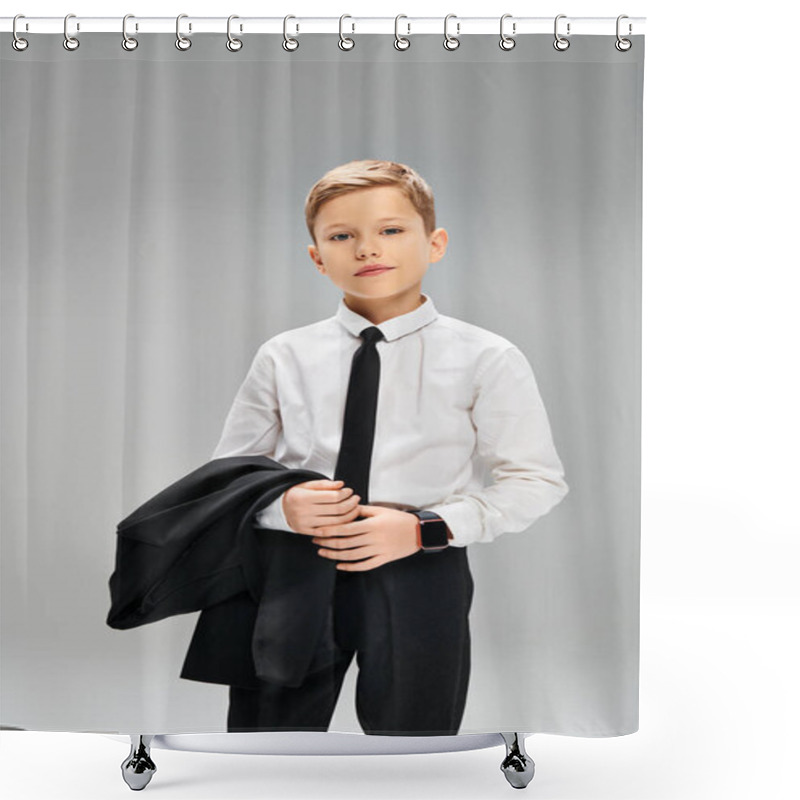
(392, 328)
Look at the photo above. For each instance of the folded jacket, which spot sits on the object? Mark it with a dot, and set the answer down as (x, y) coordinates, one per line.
(194, 545)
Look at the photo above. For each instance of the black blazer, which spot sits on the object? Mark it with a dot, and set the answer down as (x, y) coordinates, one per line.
(265, 594)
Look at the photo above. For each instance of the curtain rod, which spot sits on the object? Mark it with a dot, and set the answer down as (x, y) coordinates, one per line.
(457, 26)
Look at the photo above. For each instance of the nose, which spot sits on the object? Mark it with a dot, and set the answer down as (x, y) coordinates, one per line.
(367, 247)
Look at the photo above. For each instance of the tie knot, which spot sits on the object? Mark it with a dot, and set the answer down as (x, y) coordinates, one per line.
(371, 335)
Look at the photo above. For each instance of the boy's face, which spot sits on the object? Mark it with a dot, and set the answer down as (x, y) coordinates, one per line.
(376, 225)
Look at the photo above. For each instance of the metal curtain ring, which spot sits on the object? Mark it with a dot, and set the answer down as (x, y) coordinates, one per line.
(70, 42)
(399, 42)
(451, 42)
(560, 42)
(344, 42)
(18, 43)
(507, 42)
(623, 45)
(290, 44)
(128, 42)
(181, 42)
(233, 44)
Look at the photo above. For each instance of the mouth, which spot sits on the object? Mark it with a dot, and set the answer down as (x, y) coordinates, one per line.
(373, 269)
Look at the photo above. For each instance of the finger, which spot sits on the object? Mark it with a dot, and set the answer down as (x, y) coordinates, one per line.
(322, 484)
(354, 513)
(354, 554)
(339, 542)
(362, 566)
(348, 529)
(332, 496)
(349, 504)
(337, 517)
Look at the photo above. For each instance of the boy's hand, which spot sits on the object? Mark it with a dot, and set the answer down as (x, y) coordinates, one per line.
(385, 535)
(311, 504)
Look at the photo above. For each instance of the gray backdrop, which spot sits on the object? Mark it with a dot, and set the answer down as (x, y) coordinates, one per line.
(153, 237)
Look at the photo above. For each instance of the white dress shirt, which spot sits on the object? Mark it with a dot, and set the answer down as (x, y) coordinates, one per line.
(454, 401)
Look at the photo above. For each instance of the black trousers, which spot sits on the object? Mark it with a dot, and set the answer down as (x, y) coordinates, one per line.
(407, 623)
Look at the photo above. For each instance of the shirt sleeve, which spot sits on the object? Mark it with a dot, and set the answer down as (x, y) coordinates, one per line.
(515, 442)
(272, 516)
(253, 424)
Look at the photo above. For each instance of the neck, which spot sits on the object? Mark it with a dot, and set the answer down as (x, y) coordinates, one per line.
(380, 309)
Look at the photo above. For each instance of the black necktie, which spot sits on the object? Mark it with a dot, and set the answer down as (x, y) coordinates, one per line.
(358, 432)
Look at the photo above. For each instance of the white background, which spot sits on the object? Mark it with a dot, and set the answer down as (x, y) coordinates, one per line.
(720, 597)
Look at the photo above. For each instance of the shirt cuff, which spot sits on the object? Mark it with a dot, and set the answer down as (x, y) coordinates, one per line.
(273, 517)
(460, 521)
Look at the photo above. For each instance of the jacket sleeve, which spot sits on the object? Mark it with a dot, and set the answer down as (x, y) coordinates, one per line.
(187, 547)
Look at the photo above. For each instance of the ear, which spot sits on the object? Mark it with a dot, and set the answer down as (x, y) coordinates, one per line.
(313, 252)
(438, 245)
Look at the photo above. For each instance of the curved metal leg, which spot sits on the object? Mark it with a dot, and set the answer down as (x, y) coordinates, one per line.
(517, 766)
(138, 767)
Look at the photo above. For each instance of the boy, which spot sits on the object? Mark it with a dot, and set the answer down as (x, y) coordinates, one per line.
(447, 390)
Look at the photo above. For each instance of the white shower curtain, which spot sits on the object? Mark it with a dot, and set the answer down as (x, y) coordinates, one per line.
(154, 238)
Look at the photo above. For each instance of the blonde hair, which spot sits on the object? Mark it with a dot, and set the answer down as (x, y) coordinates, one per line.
(370, 172)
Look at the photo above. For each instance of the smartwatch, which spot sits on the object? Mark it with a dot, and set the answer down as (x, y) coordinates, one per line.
(431, 531)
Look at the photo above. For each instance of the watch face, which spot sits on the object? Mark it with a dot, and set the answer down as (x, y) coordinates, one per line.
(434, 533)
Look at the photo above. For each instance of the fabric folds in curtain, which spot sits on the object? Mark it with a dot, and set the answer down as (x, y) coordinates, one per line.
(153, 238)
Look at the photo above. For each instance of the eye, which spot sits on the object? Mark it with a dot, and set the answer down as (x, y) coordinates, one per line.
(334, 239)
(393, 229)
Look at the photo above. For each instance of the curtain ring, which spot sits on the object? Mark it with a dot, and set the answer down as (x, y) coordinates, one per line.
(128, 42)
(399, 42)
(181, 42)
(623, 45)
(233, 44)
(290, 44)
(507, 42)
(18, 43)
(344, 42)
(451, 42)
(560, 42)
(70, 42)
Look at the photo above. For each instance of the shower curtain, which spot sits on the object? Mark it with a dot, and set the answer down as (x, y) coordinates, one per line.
(153, 239)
